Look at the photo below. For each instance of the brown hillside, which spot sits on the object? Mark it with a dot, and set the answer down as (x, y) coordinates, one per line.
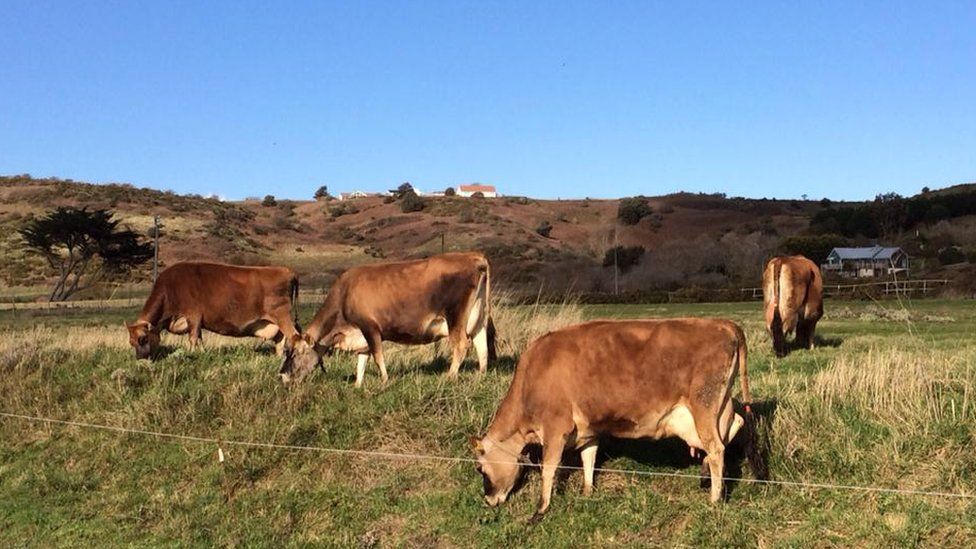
(689, 239)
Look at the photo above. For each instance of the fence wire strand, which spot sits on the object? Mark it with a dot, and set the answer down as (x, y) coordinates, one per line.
(219, 443)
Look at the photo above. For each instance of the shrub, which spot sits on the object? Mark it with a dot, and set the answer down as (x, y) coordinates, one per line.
(951, 255)
(450, 191)
(269, 200)
(343, 208)
(632, 210)
(544, 229)
(626, 257)
(411, 202)
(478, 194)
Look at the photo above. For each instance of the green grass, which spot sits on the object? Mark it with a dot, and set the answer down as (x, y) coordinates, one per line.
(887, 400)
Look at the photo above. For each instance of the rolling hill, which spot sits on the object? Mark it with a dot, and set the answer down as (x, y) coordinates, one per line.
(688, 239)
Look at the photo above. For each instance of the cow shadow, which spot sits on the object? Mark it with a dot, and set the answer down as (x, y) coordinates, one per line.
(671, 455)
(828, 342)
(164, 351)
(441, 364)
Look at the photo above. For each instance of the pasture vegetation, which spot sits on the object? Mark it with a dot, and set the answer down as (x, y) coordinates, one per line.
(886, 400)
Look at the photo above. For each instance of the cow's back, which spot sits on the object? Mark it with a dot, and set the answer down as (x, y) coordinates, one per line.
(620, 370)
(219, 292)
(384, 292)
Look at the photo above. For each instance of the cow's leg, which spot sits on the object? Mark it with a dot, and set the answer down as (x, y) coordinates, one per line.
(375, 341)
(459, 349)
(481, 348)
(195, 327)
(588, 456)
(716, 464)
(362, 358)
(710, 429)
(552, 453)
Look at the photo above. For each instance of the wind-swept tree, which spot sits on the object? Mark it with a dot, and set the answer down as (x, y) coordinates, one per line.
(84, 247)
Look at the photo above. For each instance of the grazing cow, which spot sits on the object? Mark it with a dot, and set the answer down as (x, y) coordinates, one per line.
(226, 299)
(793, 300)
(621, 378)
(410, 302)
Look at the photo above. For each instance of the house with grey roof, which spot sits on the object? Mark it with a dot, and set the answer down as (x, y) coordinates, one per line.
(867, 262)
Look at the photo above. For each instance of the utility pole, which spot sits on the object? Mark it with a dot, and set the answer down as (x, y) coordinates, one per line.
(155, 247)
(616, 288)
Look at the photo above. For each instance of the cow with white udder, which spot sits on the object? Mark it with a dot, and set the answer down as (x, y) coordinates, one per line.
(627, 379)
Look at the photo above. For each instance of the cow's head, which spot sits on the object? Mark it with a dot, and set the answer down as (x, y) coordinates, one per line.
(143, 338)
(499, 467)
(302, 355)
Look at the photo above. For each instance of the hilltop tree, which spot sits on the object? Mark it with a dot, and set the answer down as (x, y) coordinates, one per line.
(84, 247)
(269, 201)
(450, 191)
(403, 190)
(323, 193)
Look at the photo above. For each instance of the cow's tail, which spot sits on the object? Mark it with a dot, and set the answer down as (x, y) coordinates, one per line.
(776, 315)
(489, 323)
(754, 450)
(294, 301)
(492, 335)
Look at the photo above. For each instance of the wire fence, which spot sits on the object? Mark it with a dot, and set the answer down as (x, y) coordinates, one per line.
(219, 444)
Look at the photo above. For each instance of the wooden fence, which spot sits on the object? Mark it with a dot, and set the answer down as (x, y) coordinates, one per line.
(895, 287)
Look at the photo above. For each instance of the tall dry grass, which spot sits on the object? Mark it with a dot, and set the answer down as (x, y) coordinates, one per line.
(909, 391)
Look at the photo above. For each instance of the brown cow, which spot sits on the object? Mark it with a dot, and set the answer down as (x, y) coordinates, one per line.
(793, 300)
(622, 378)
(409, 302)
(226, 299)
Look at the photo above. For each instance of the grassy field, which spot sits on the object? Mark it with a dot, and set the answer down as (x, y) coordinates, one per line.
(887, 400)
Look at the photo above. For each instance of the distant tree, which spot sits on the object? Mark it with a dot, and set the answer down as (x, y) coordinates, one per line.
(323, 193)
(544, 229)
(815, 248)
(937, 212)
(890, 212)
(926, 190)
(84, 247)
(626, 257)
(269, 200)
(411, 202)
(402, 190)
(804, 197)
(825, 202)
(631, 210)
(450, 191)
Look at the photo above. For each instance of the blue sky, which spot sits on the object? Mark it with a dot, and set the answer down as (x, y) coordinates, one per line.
(547, 99)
